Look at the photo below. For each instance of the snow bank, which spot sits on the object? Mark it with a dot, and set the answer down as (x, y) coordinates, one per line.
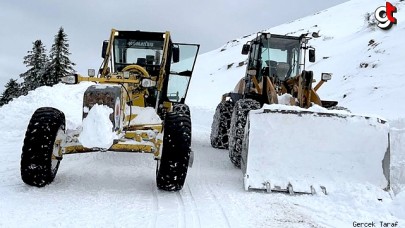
(14, 117)
(97, 128)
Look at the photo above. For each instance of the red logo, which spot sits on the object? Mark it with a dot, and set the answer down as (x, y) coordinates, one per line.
(385, 16)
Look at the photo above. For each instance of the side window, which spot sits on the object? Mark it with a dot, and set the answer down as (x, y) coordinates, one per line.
(295, 61)
(254, 56)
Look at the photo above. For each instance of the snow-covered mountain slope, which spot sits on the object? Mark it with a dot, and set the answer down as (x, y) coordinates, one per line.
(113, 189)
(365, 60)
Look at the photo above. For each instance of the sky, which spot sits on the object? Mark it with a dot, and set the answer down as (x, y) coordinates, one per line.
(210, 23)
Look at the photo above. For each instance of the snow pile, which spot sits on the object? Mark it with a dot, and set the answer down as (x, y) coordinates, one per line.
(145, 115)
(97, 128)
(284, 99)
(286, 107)
(14, 117)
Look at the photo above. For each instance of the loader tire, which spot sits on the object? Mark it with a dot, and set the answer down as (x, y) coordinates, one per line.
(172, 169)
(237, 128)
(38, 163)
(220, 125)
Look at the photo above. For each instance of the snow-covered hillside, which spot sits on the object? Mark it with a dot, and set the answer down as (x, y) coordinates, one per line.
(365, 61)
(116, 190)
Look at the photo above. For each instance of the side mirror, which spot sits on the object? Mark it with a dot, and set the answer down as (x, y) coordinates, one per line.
(245, 49)
(70, 79)
(91, 72)
(176, 54)
(326, 77)
(104, 50)
(311, 54)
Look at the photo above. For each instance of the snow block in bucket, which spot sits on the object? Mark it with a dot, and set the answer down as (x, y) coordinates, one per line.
(305, 150)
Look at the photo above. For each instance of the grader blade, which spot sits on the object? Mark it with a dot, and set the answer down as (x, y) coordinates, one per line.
(297, 150)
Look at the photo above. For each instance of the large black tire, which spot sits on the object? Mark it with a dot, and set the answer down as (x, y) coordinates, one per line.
(237, 128)
(172, 168)
(181, 108)
(220, 125)
(38, 165)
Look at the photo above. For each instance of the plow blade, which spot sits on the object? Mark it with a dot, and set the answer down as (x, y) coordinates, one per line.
(300, 151)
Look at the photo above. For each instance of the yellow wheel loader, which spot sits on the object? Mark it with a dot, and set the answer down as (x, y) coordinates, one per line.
(284, 137)
(143, 81)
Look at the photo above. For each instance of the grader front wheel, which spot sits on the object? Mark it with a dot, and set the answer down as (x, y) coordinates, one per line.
(40, 159)
(172, 168)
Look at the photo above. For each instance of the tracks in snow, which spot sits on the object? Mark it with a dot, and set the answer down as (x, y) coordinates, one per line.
(223, 213)
(166, 206)
(181, 209)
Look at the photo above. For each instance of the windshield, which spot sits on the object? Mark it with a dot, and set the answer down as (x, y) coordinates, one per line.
(140, 52)
(281, 56)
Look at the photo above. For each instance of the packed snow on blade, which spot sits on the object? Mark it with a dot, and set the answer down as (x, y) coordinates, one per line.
(294, 150)
(97, 128)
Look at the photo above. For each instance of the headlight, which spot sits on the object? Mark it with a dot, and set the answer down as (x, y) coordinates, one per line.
(251, 72)
(146, 83)
(326, 76)
(91, 72)
(70, 79)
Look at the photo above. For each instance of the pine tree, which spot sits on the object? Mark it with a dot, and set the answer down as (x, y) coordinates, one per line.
(60, 65)
(36, 61)
(12, 91)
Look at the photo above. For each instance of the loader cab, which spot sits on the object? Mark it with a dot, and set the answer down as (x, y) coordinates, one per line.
(274, 56)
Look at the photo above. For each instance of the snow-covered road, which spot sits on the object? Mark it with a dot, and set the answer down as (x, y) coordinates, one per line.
(118, 189)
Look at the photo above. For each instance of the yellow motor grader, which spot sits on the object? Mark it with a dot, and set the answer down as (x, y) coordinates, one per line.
(144, 80)
(284, 137)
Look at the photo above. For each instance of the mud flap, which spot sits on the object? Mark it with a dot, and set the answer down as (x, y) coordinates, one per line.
(296, 150)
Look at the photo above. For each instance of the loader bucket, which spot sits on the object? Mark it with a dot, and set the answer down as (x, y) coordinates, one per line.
(297, 150)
